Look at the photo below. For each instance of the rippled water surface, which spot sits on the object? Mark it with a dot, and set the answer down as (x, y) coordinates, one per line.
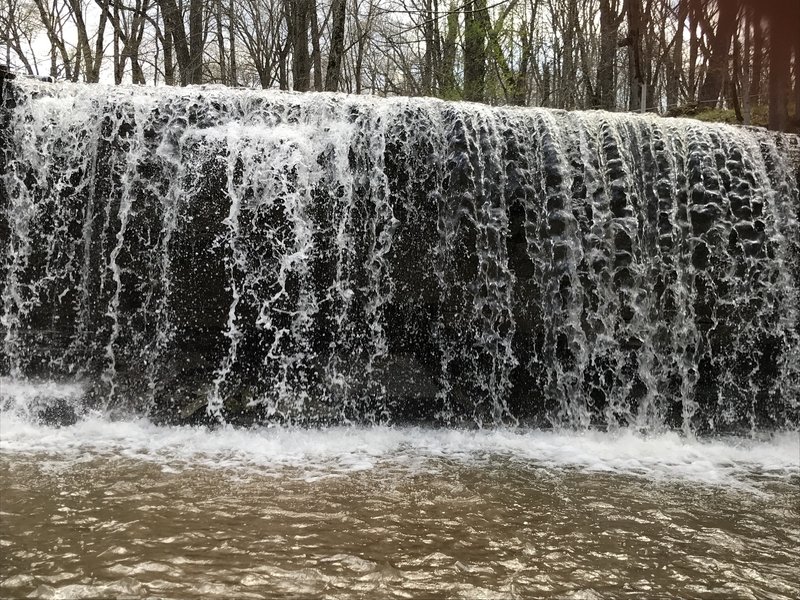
(132, 510)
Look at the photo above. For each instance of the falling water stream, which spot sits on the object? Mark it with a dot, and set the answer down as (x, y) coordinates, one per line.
(261, 344)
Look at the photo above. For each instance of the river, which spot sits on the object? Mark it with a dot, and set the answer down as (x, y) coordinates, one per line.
(129, 509)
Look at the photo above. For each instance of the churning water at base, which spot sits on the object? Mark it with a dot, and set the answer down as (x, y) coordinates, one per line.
(125, 508)
(721, 461)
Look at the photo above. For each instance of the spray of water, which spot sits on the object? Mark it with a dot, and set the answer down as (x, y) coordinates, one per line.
(234, 255)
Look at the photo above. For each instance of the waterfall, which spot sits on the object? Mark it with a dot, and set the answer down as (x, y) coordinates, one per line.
(217, 255)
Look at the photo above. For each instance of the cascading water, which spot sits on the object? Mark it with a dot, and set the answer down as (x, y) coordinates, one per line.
(233, 255)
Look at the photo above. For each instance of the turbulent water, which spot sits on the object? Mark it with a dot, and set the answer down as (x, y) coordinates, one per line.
(131, 509)
(244, 256)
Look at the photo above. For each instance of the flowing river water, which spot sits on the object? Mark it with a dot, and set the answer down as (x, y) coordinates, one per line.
(128, 509)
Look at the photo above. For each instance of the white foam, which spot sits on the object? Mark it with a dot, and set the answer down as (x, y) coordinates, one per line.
(337, 450)
(21, 391)
(21, 399)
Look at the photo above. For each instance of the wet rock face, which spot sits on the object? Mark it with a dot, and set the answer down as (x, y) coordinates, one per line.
(57, 414)
(207, 255)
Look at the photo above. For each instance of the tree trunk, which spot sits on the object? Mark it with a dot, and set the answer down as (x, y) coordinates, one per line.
(14, 41)
(720, 51)
(232, 45)
(361, 42)
(427, 61)
(99, 48)
(447, 79)
(735, 81)
(520, 89)
(336, 53)
(298, 18)
(569, 75)
(606, 97)
(359, 66)
(676, 65)
(475, 28)
(546, 84)
(316, 52)
(139, 22)
(54, 61)
(694, 44)
(91, 60)
(195, 74)
(169, 65)
(746, 112)
(283, 53)
(118, 64)
(758, 57)
(134, 43)
(633, 10)
(223, 66)
(174, 30)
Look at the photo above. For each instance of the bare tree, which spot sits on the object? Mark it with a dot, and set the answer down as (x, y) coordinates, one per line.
(611, 17)
(53, 18)
(636, 80)
(476, 27)
(446, 74)
(175, 32)
(19, 25)
(258, 24)
(299, 21)
(675, 69)
(720, 37)
(336, 53)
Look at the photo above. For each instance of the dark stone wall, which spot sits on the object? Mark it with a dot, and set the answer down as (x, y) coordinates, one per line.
(498, 298)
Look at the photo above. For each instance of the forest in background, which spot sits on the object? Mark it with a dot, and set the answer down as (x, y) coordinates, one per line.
(733, 60)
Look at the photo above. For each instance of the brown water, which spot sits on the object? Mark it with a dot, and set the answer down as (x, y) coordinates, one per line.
(111, 524)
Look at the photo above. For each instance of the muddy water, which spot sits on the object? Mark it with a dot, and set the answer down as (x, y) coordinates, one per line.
(146, 512)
